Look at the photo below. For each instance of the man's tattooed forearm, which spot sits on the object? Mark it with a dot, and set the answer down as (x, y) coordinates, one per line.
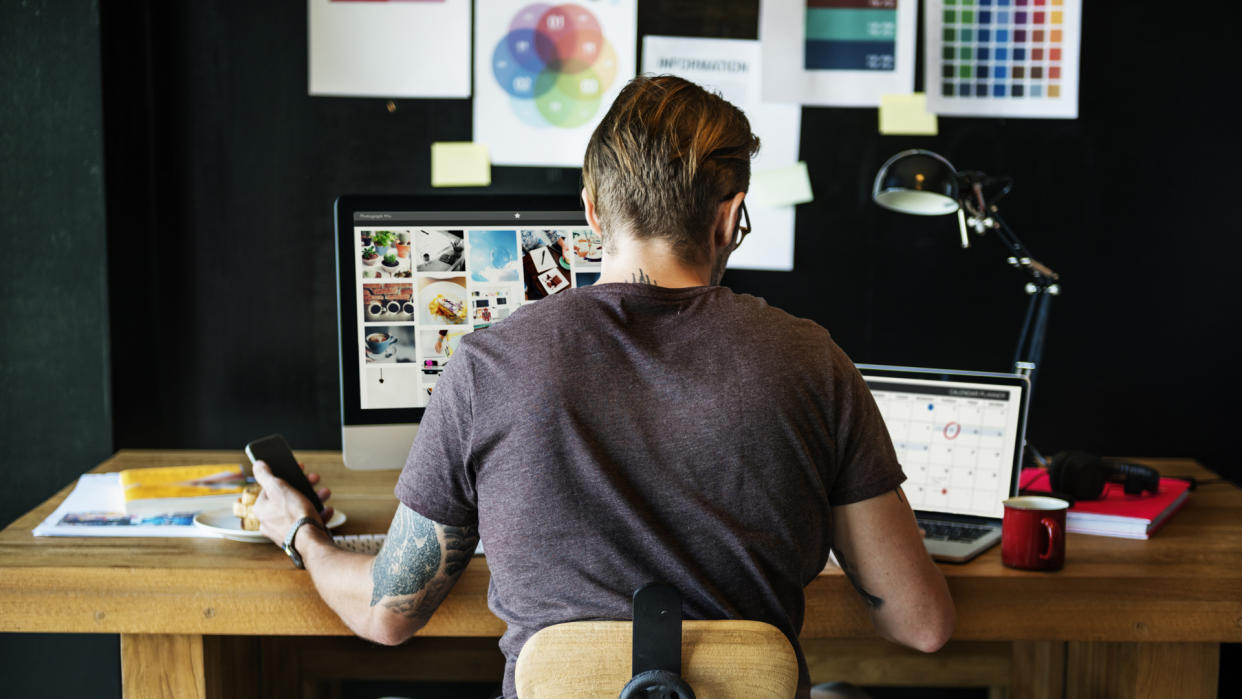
(406, 575)
(409, 558)
(869, 599)
(641, 278)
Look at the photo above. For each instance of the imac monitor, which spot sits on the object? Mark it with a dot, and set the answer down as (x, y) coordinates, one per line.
(415, 274)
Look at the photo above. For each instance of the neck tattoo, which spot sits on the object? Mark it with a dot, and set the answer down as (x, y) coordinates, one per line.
(641, 278)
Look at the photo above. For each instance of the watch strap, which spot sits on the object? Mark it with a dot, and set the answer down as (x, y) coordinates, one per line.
(293, 532)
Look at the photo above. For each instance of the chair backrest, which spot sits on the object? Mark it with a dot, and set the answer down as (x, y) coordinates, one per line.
(719, 659)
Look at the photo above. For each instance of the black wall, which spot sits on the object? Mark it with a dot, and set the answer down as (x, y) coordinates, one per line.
(219, 275)
(222, 242)
(55, 404)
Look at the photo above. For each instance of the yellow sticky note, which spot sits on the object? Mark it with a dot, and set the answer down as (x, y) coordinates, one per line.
(460, 164)
(907, 115)
(783, 186)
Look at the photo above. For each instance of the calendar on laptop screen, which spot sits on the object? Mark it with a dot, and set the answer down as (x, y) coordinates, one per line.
(956, 441)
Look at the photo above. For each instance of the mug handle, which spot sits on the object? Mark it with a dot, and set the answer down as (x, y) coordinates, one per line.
(1054, 534)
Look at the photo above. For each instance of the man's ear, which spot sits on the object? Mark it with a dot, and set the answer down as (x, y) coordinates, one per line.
(727, 220)
(592, 219)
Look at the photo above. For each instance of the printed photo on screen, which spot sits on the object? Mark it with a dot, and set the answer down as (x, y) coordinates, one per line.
(440, 250)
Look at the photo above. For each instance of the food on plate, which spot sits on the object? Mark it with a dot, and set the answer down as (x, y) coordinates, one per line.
(449, 308)
(244, 507)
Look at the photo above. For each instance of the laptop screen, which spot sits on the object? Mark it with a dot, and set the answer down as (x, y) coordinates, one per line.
(958, 435)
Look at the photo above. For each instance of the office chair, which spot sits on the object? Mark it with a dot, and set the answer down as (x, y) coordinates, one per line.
(668, 658)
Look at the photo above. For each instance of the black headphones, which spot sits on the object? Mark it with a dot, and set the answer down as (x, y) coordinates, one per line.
(1083, 476)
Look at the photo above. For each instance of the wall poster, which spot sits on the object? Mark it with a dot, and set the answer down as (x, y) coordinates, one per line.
(837, 53)
(545, 74)
(1013, 58)
(375, 48)
(731, 67)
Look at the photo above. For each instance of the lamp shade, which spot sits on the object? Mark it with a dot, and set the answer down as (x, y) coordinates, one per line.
(917, 182)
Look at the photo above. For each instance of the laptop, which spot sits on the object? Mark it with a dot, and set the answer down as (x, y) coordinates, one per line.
(959, 436)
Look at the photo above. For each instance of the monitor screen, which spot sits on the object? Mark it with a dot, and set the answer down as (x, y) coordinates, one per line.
(958, 435)
(416, 274)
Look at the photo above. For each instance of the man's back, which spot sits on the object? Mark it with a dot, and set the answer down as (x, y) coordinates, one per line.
(620, 434)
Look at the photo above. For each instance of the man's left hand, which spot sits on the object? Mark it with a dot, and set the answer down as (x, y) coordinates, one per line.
(280, 505)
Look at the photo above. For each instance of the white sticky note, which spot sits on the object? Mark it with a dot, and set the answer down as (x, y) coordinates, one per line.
(785, 186)
(907, 115)
(460, 164)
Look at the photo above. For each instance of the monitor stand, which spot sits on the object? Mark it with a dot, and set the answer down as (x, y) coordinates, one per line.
(376, 447)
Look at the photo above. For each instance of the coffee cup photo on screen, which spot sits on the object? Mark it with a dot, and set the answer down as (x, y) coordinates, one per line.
(439, 250)
(392, 344)
(388, 303)
(442, 300)
(494, 256)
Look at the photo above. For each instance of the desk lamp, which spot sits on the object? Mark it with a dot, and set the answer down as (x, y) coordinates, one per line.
(924, 183)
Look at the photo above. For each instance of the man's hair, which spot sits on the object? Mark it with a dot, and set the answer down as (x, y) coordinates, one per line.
(664, 157)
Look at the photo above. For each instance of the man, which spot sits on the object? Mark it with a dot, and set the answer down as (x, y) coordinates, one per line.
(654, 426)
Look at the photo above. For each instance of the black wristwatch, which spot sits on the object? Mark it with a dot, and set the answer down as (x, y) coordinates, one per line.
(293, 532)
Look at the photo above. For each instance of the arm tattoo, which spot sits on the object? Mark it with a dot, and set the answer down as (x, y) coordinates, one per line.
(869, 599)
(641, 278)
(406, 575)
(459, 545)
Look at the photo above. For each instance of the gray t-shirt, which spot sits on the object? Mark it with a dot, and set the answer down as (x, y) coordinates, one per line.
(620, 434)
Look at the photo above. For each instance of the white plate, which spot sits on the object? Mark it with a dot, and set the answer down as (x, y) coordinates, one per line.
(226, 524)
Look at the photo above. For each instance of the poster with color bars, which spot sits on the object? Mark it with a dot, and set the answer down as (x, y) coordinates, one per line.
(1014, 58)
(837, 53)
(851, 35)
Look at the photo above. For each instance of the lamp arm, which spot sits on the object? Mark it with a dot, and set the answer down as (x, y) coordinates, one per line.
(1020, 256)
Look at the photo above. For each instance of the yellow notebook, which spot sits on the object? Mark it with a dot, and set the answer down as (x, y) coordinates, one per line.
(168, 489)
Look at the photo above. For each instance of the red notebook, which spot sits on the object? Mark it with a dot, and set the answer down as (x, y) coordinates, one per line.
(1115, 513)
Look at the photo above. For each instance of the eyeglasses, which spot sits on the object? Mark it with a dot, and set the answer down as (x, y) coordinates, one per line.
(743, 229)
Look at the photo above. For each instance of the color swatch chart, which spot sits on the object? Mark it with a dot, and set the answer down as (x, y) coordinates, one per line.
(1003, 57)
(851, 34)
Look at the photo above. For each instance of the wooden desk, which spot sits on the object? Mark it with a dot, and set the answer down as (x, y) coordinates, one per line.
(198, 616)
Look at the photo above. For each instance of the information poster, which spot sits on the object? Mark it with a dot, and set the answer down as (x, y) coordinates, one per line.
(838, 53)
(374, 48)
(546, 73)
(731, 67)
(1013, 58)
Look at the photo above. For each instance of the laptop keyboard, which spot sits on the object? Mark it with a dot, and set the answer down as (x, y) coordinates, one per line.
(952, 531)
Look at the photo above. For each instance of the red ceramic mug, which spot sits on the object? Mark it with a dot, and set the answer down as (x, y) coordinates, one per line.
(1033, 533)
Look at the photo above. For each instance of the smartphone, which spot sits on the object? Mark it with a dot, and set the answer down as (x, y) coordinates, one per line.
(275, 451)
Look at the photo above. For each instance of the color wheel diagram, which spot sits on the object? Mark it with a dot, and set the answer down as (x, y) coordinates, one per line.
(555, 63)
